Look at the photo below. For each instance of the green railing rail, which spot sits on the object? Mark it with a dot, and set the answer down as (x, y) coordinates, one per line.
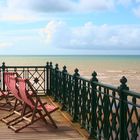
(38, 76)
(106, 112)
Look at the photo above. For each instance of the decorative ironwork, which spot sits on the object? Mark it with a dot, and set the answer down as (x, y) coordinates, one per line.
(36, 80)
(134, 131)
(106, 112)
(36, 74)
(114, 122)
(102, 116)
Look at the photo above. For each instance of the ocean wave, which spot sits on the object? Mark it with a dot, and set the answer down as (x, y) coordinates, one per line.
(114, 71)
(124, 71)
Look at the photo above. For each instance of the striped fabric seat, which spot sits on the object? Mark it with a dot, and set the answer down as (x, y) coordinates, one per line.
(36, 108)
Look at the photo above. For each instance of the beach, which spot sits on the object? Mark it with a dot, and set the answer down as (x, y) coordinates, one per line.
(109, 68)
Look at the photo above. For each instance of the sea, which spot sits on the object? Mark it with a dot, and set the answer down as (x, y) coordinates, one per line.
(109, 68)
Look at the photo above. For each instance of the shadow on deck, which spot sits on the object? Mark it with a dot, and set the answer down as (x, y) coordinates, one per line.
(40, 131)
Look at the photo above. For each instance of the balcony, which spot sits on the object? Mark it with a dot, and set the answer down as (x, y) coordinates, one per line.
(88, 108)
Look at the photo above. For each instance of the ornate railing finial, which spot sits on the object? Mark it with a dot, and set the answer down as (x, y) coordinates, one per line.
(76, 74)
(51, 66)
(47, 63)
(56, 67)
(64, 69)
(3, 65)
(94, 77)
(123, 82)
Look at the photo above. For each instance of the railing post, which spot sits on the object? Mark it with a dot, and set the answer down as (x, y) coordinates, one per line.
(93, 133)
(56, 83)
(51, 80)
(84, 106)
(47, 80)
(3, 70)
(123, 108)
(64, 72)
(106, 111)
(76, 93)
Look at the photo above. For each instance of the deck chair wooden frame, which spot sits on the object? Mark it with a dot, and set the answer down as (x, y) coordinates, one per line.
(13, 90)
(18, 106)
(4, 95)
(4, 104)
(38, 109)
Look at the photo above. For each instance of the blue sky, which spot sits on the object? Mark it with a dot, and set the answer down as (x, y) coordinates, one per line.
(55, 27)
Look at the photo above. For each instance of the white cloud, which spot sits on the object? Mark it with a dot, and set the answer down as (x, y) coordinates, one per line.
(41, 5)
(136, 11)
(12, 15)
(133, 5)
(55, 29)
(18, 11)
(93, 5)
(89, 36)
(5, 44)
(20, 39)
(33, 10)
(17, 17)
(125, 2)
(61, 5)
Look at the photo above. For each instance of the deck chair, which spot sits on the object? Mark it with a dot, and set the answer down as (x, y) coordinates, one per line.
(7, 76)
(19, 106)
(18, 101)
(38, 109)
(4, 95)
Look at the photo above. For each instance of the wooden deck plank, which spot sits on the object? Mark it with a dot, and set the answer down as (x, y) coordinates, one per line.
(41, 131)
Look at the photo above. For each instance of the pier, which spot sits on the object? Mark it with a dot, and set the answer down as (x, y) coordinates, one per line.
(94, 110)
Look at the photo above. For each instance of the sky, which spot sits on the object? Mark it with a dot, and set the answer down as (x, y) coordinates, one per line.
(69, 27)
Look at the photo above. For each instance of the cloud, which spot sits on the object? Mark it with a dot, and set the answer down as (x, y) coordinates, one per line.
(133, 5)
(41, 5)
(18, 11)
(31, 11)
(61, 5)
(90, 36)
(96, 5)
(5, 44)
(55, 29)
(17, 17)
(125, 2)
(136, 8)
(35, 10)
(20, 39)
(136, 11)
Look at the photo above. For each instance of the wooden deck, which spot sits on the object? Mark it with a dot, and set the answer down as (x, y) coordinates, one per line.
(40, 131)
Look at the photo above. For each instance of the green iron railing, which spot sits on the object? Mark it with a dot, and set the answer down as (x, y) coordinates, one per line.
(106, 112)
(38, 76)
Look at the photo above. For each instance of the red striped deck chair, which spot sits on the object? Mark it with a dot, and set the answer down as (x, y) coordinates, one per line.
(4, 95)
(39, 109)
(18, 101)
